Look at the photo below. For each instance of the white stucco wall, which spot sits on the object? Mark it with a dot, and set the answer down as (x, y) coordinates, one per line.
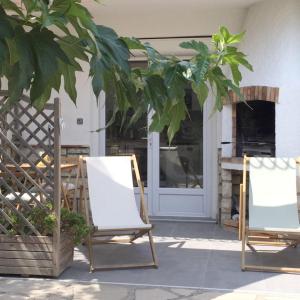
(85, 108)
(272, 43)
(157, 20)
(134, 21)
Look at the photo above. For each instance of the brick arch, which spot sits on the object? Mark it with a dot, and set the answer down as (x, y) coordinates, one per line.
(256, 92)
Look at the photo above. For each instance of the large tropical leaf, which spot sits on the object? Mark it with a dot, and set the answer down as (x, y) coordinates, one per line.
(43, 42)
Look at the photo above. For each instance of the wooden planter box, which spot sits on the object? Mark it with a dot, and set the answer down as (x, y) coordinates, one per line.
(34, 255)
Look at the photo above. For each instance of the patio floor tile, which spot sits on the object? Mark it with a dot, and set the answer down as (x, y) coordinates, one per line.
(43, 289)
(233, 280)
(195, 255)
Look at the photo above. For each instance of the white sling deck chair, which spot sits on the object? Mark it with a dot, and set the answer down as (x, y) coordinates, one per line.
(114, 213)
(273, 210)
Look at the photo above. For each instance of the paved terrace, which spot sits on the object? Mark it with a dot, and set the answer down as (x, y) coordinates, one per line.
(196, 261)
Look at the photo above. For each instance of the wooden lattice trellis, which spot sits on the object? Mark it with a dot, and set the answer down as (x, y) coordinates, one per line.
(30, 177)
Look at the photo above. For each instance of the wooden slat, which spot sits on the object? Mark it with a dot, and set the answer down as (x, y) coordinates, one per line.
(20, 262)
(24, 157)
(57, 190)
(26, 247)
(295, 234)
(22, 187)
(32, 119)
(33, 136)
(25, 239)
(6, 217)
(66, 243)
(271, 242)
(23, 173)
(26, 271)
(25, 141)
(271, 269)
(24, 220)
(26, 99)
(125, 266)
(112, 241)
(26, 254)
(66, 259)
(66, 253)
(39, 125)
(3, 229)
(116, 230)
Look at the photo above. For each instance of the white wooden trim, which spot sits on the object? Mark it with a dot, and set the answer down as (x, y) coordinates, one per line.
(181, 191)
(210, 159)
(102, 122)
(153, 191)
(155, 163)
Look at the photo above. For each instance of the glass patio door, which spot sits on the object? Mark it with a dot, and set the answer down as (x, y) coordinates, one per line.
(178, 181)
(174, 174)
(116, 140)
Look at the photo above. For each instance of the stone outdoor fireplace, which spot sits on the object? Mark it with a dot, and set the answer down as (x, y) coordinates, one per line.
(253, 134)
(253, 121)
(255, 128)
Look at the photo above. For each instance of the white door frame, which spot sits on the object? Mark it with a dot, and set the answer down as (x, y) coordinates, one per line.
(102, 152)
(157, 192)
(153, 191)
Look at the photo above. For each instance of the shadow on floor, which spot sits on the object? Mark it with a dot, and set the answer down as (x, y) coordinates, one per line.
(195, 255)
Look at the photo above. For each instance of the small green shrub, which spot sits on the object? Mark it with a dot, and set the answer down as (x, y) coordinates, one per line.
(74, 224)
(44, 221)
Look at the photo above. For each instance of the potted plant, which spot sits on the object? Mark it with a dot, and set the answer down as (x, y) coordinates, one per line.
(33, 255)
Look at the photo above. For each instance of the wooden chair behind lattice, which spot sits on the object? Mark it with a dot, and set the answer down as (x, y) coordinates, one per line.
(70, 183)
(112, 208)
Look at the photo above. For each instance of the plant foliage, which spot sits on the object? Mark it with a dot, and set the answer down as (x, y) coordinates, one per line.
(72, 223)
(43, 42)
(75, 225)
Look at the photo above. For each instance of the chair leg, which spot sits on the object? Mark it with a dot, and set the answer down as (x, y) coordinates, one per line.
(67, 202)
(294, 244)
(91, 253)
(153, 252)
(241, 210)
(65, 198)
(250, 246)
(93, 268)
(244, 238)
(81, 204)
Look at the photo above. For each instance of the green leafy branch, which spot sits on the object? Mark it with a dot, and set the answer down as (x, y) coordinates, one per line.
(43, 44)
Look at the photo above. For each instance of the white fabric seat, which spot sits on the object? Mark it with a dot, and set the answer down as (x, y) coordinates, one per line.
(47, 189)
(68, 185)
(114, 210)
(24, 197)
(273, 209)
(273, 194)
(111, 193)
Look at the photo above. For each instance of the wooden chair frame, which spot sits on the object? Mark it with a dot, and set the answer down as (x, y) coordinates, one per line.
(251, 238)
(120, 235)
(69, 203)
